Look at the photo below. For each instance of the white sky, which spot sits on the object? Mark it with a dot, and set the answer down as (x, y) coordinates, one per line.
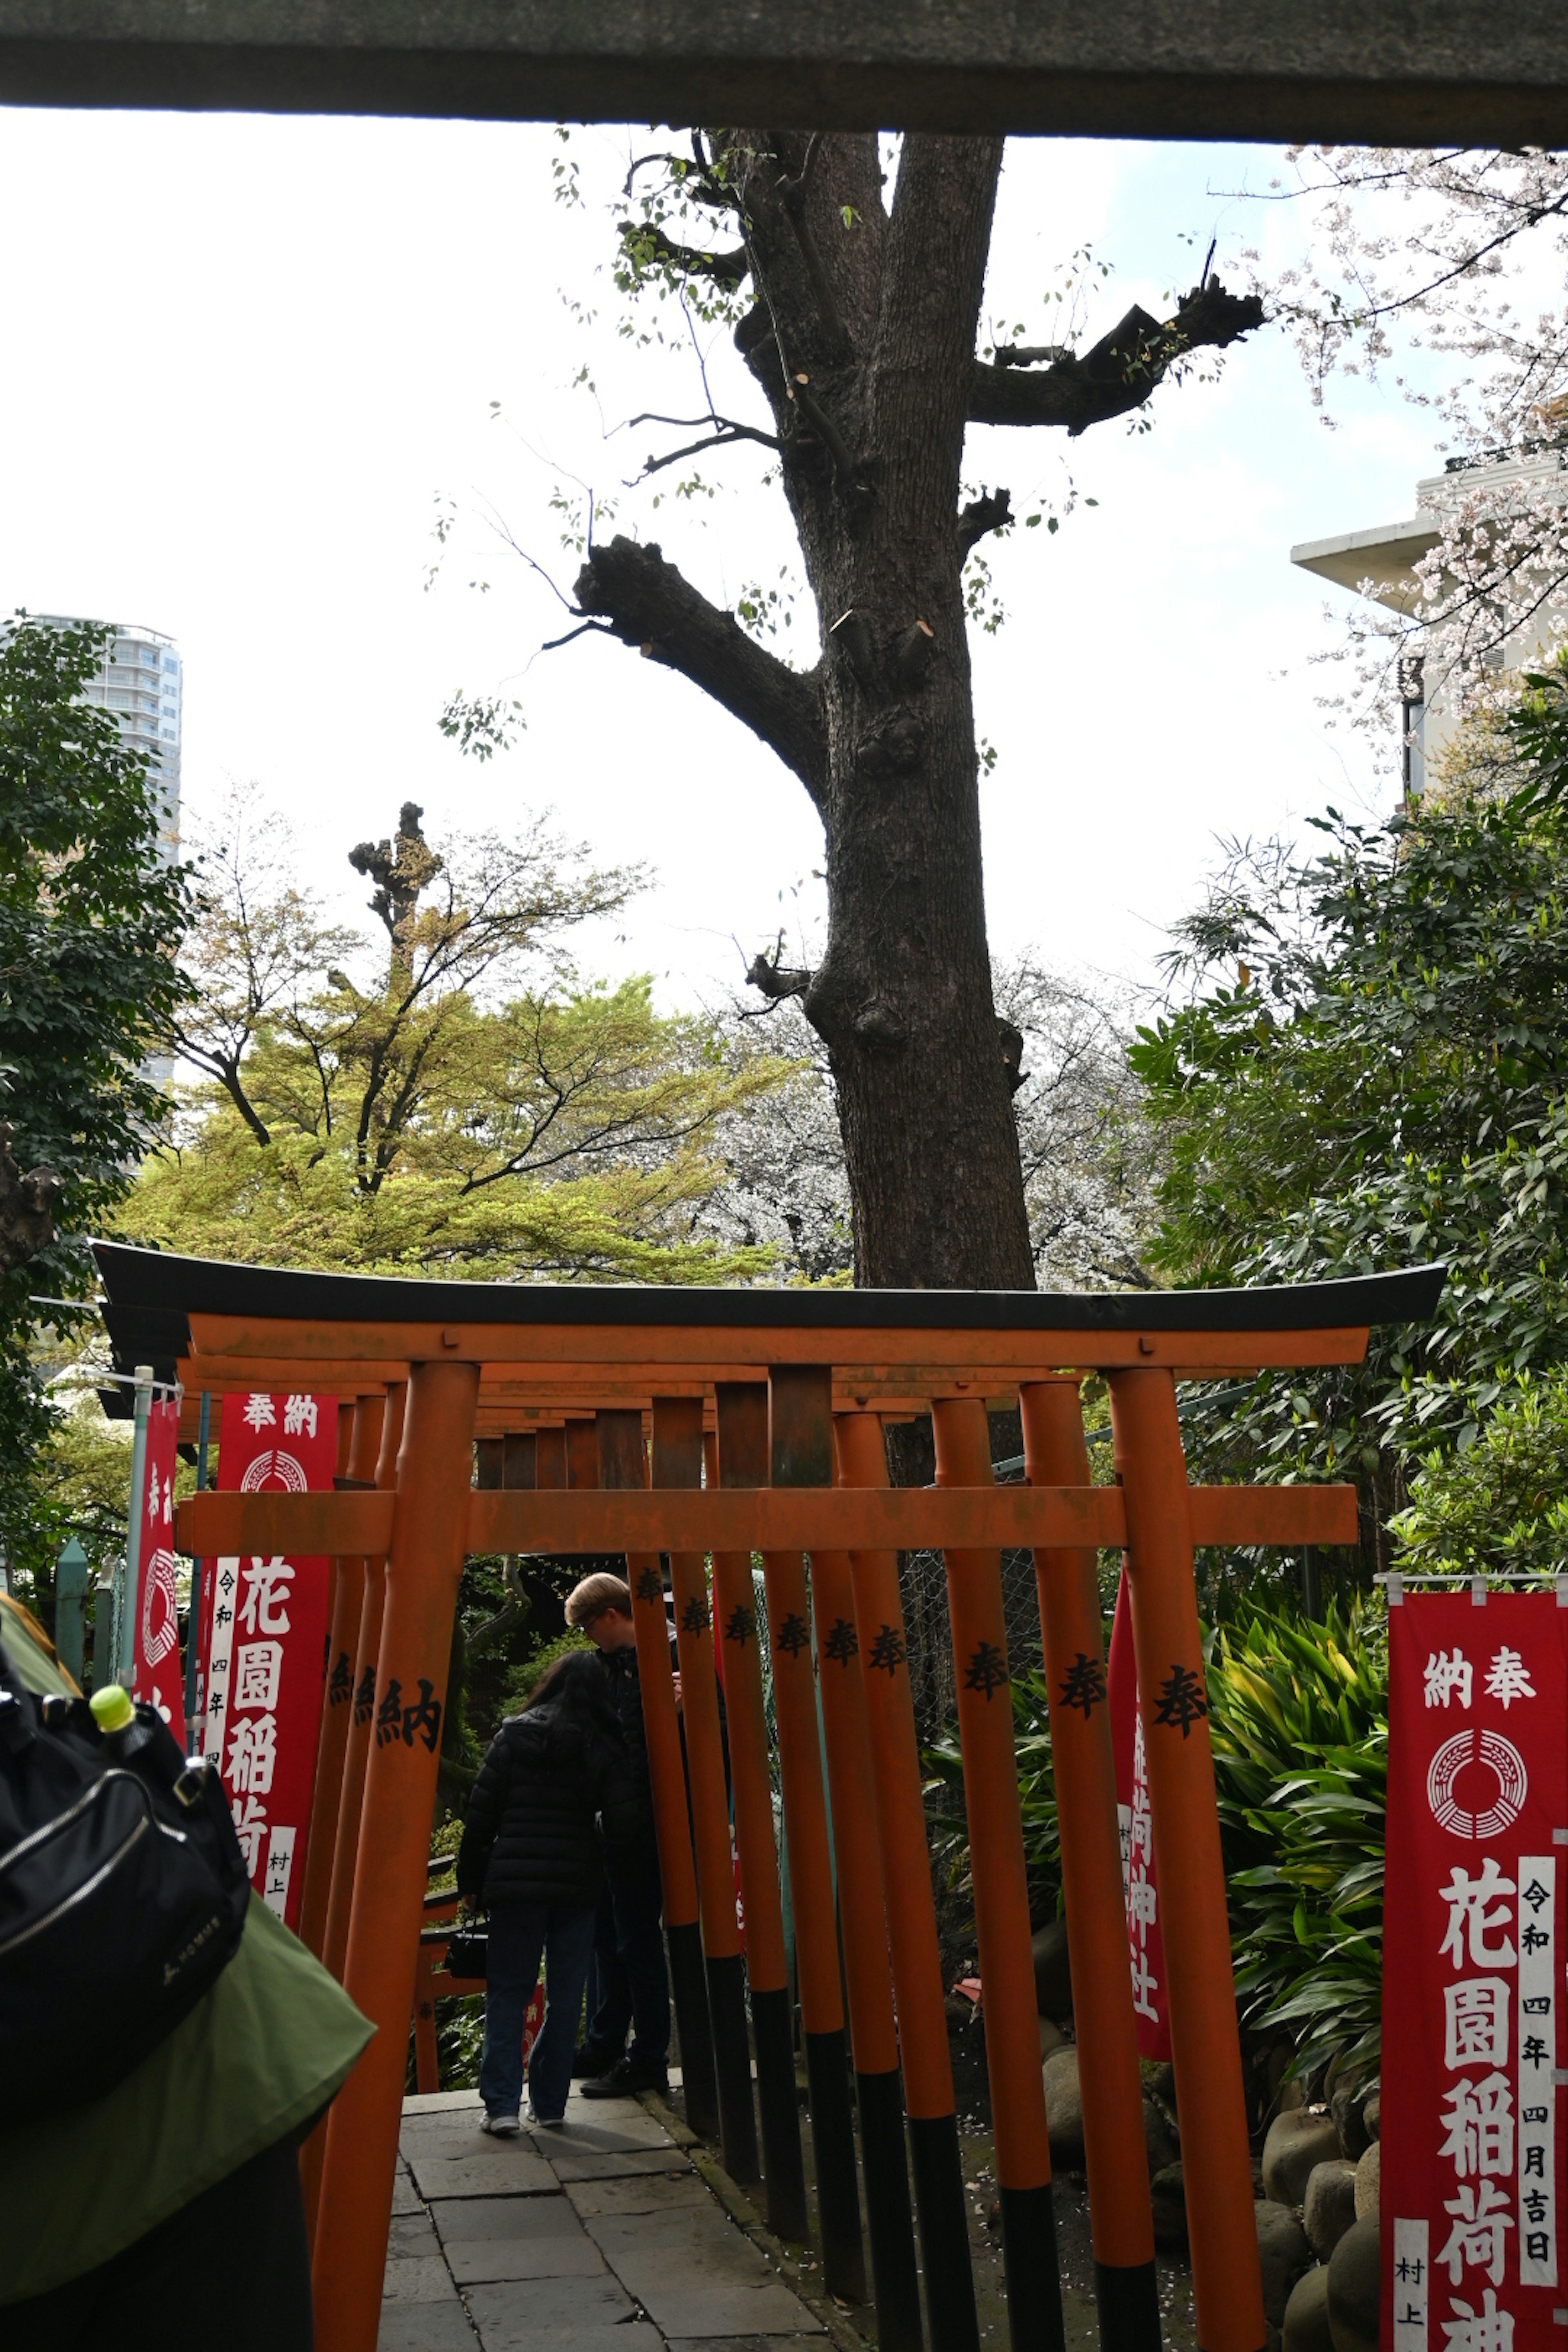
(246, 357)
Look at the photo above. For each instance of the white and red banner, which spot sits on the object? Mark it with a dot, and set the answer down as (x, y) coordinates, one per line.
(155, 1635)
(263, 1641)
(1145, 1947)
(1473, 2111)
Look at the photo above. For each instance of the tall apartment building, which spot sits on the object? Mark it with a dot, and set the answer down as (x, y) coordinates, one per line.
(141, 679)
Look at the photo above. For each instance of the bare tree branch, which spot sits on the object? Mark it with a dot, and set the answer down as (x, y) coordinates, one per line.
(647, 603)
(726, 437)
(1119, 372)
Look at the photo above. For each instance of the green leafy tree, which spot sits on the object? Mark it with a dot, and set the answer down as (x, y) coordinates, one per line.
(454, 1101)
(91, 914)
(1371, 1072)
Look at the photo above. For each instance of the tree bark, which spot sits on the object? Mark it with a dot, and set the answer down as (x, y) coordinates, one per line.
(863, 341)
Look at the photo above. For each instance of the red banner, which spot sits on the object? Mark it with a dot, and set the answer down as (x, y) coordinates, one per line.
(263, 1642)
(156, 1636)
(1147, 1950)
(1471, 2123)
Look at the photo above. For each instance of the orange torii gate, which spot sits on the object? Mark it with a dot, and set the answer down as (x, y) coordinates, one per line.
(714, 1425)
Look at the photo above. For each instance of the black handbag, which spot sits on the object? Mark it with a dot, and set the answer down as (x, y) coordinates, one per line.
(468, 1950)
(124, 1894)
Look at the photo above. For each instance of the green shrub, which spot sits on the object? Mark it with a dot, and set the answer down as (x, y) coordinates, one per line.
(1502, 1504)
(1298, 1721)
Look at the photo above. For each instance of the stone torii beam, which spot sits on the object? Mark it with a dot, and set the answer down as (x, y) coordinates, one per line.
(1425, 72)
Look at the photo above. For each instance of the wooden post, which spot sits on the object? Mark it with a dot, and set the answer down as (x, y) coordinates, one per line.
(362, 1707)
(740, 1459)
(622, 1463)
(940, 2203)
(1071, 1632)
(1001, 1898)
(434, 1477)
(337, 1699)
(1216, 2164)
(677, 1461)
(426, 2059)
(800, 1444)
(357, 1735)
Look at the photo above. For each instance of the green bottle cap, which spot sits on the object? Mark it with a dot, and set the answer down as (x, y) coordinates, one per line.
(111, 1707)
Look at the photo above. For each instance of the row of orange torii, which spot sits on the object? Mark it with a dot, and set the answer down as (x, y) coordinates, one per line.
(691, 1431)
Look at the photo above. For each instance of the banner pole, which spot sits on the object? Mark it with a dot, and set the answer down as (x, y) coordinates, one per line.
(194, 1609)
(126, 1629)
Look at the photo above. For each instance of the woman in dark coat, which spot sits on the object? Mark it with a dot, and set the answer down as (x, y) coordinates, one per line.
(530, 1856)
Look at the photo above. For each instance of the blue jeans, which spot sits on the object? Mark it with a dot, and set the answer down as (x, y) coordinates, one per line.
(519, 1933)
(631, 1980)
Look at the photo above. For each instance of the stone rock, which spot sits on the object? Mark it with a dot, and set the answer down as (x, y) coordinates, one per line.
(1167, 2196)
(1368, 2183)
(1371, 2114)
(1052, 2038)
(1345, 2108)
(1283, 2253)
(1063, 2108)
(1160, 2138)
(1355, 2288)
(1306, 2326)
(1328, 2205)
(1158, 2077)
(1297, 2142)
(1052, 1976)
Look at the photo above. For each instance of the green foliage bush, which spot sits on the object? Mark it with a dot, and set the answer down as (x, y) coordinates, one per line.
(1502, 1504)
(1298, 1721)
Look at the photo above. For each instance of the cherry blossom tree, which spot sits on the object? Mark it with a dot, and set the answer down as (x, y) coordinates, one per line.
(1447, 269)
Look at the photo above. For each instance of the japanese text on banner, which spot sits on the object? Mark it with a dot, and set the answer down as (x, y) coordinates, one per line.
(1472, 2112)
(263, 1642)
(1145, 1945)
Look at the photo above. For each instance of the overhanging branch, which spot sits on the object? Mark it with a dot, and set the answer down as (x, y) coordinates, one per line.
(646, 602)
(1119, 372)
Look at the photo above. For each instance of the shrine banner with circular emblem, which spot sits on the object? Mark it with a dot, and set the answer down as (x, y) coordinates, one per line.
(262, 1643)
(155, 1674)
(1477, 1858)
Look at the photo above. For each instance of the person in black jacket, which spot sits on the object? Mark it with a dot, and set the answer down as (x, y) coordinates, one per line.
(530, 1855)
(628, 1984)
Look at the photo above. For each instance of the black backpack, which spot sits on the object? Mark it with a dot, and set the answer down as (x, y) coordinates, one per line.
(122, 1895)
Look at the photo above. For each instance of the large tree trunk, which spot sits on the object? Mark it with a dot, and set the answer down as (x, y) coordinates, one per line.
(902, 996)
(863, 340)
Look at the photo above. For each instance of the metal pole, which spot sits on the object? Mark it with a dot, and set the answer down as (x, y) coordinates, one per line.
(1217, 2159)
(125, 1646)
(193, 1610)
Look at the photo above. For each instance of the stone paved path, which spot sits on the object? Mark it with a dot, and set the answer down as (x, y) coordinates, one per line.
(599, 2237)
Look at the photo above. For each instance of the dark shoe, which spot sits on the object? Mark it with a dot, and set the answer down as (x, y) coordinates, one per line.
(625, 2079)
(590, 2063)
